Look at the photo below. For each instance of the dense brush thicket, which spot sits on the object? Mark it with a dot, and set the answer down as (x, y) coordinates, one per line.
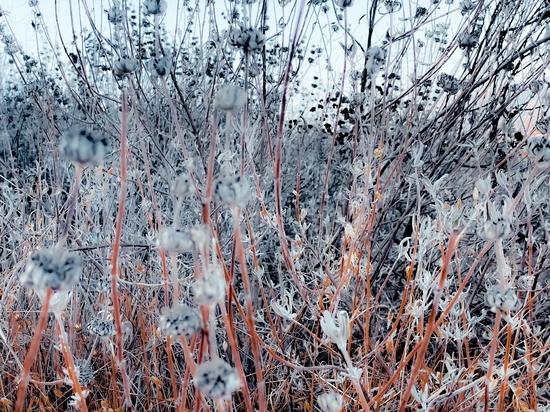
(226, 216)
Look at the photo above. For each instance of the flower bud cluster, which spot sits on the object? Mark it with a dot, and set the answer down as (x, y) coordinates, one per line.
(154, 7)
(52, 269)
(210, 289)
(101, 327)
(250, 40)
(216, 379)
(538, 150)
(330, 402)
(84, 147)
(498, 228)
(232, 190)
(505, 301)
(180, 320)
(230, 97)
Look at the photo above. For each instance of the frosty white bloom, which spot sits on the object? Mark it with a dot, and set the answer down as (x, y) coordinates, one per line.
(52, 268)
(84, 147)
(494, 229)
(125, 66)
(230, 97)
(180, 320)
(330, 402)
(484, 185)
(504, 301)
(216, 379)
(250, 40)
(232, 190)
(337, 334)
(154, 7)
(175, 240)
(102, 327)
(182, 186)
(210, 289)
(159, 67)
(538, 150)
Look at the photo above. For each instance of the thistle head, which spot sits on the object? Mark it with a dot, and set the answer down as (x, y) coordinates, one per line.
(216, 379)
(84, 147)
(51, 268)
(180, 320)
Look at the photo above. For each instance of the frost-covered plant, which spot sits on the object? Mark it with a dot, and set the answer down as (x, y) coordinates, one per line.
(52, 268)
(216, 379)
(180, 320)
(84, 147)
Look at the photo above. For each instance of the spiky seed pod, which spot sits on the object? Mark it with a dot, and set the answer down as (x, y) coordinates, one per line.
(232, 190)
(230, 97)
(538, 150)
(250, 40)
(216, 379)
(494, 229)
(52, 268)
(180, 320)
(152, 7)
(330, 402)
(84, 147)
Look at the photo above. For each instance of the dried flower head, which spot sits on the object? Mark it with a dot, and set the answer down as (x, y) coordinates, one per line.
(52, 268)
(330, 402)
(114, 14)
(83, 146)
(376, 56)
(125, 66)
(153, 7)
(250, 40)
(497, 228)
(180, 320)
(216, 379)
(232, 190)
(230, 97)
(538, 150)
(102, 327)
(344, 3)
(175, 240)
(210, 289)
(182, 186)
(84, 373)
(506, 300)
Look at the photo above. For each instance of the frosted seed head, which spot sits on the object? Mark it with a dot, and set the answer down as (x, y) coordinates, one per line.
(232, 190)
(125, 66)
(230, 97)
(114, 14)
(344, 3)
(330, 402)
(210, 290)
(102, 327)
(152, 7)
(84, 147)
(182, 186)
(250, 40)
(51, 268)
(175, 240)
(180, 320)
(505, 301)
(216, 379)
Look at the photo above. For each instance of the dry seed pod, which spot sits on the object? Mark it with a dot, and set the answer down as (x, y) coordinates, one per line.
(499, 228)
(52, 269)
(175, 240)
(84, 147)
(102, 327)
(230, 97)
(125, 66)
(153, 7)
(180, 320)
(210, 290)
(216, 379)
(183, 186)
